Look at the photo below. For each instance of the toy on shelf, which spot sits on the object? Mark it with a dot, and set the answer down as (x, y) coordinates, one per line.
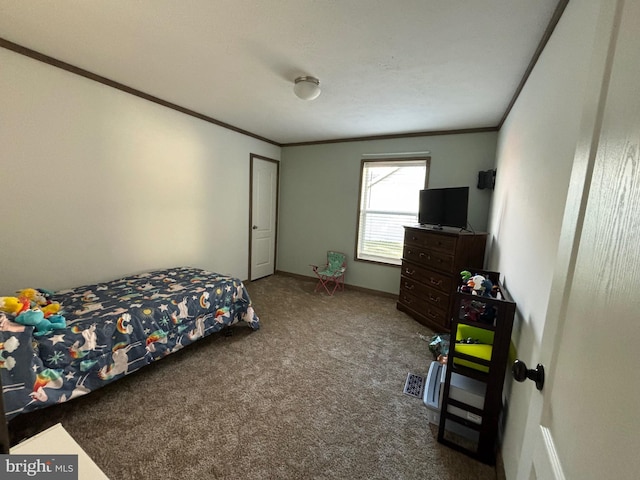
(477, 311)
(483, 286)
(477, 284)
(483, 321)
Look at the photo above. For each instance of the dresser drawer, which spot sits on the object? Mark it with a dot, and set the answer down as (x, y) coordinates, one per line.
(431, 264)
(435, 297)
(431, 241)
(430, 278)
(430, 258)
(432, 314)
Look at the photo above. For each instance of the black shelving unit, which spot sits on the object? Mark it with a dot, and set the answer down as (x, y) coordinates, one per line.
(494, 317)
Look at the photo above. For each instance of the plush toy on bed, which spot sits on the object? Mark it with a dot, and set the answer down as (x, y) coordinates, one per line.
(35, 318)
(35, 297)
(14, 305)
(33, 307)
(51, 310)
(38, 298)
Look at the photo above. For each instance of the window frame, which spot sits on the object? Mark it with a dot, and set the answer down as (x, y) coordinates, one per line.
(391, 159)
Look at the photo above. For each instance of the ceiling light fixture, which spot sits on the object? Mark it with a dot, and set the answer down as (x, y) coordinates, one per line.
(307, 88)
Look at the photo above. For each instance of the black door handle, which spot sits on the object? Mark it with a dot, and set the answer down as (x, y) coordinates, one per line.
(521, 373)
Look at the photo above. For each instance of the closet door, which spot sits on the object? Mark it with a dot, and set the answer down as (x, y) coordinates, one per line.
(263, 216)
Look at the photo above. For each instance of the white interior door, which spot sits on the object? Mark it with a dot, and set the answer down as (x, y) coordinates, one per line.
(264, 213)
(584, 424)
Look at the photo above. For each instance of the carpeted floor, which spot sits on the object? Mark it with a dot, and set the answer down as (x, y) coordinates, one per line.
(316, 393)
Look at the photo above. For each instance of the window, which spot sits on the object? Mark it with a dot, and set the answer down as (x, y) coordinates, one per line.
(389, 199)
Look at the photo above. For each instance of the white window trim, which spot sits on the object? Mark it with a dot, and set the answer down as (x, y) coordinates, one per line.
(405, 161)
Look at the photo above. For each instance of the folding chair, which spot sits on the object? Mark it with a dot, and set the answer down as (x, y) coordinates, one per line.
(332, 272)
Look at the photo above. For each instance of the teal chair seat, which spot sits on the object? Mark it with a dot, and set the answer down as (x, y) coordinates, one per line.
(331, 275)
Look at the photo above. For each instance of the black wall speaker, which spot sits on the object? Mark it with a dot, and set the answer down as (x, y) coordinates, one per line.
(486, 179)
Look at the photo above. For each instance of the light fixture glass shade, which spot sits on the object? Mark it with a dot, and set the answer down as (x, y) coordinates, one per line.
(307, 88)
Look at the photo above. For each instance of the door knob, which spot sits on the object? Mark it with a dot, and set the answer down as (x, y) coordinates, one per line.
(255, 227)
(521, 373)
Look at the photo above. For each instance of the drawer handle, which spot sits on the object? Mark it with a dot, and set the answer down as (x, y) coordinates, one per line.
(434, 299)
(409, 272)
(431, 314)
(408, 286)
(423, 255)
(436, 283)
(407, 300)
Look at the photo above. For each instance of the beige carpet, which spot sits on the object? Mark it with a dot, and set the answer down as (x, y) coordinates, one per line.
(315, 393)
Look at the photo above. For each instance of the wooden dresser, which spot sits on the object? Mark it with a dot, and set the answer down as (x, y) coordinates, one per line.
(431, 264)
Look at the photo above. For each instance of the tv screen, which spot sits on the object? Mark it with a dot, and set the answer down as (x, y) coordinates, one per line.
(444, 207)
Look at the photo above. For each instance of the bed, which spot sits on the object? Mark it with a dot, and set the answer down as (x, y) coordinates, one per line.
(113, 329)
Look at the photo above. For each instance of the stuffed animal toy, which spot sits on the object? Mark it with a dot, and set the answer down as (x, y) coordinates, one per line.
(32, 294)
(35, 318)
(51, 309)
(487, 287)
(466, 275)
(14, 305)
(36, 297)
(47, 294)
(464, 287)
(480, 285)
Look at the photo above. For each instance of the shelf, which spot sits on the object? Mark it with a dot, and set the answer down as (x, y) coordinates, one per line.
(489, 321)
(469, 372)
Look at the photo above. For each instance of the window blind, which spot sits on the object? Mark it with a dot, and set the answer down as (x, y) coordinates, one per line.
(389, 199)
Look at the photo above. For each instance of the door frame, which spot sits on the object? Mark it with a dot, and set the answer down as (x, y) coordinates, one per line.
(252, 157)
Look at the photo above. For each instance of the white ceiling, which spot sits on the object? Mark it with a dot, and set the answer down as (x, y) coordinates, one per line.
(385, 66)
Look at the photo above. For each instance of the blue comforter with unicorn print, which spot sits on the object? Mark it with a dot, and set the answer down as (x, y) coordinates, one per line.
(114, 329)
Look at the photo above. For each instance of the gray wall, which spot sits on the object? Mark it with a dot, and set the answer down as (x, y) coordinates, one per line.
(97, 183)
(319, 197)
(536, 148)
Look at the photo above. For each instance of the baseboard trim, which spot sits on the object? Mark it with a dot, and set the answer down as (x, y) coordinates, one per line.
(346, 285)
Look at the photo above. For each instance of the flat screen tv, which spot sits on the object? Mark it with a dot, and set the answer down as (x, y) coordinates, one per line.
(444, 207)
